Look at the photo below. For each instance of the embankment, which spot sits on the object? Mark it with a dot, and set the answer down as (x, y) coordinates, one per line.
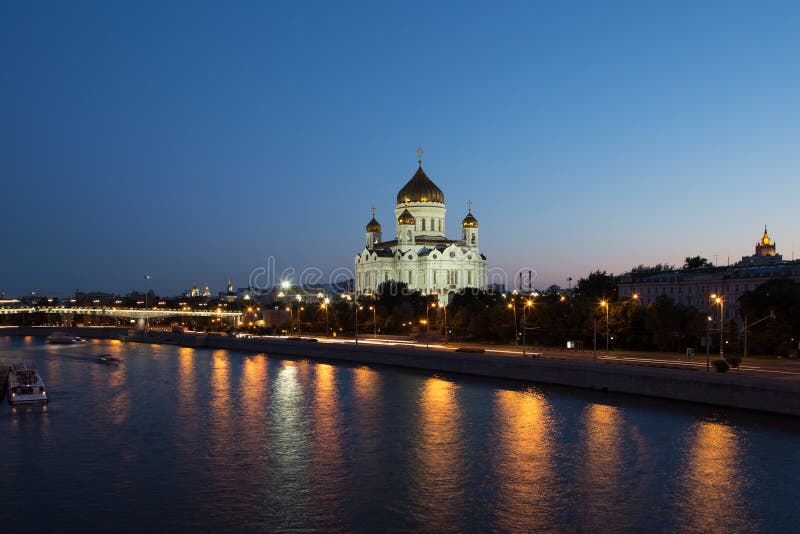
(774, 395)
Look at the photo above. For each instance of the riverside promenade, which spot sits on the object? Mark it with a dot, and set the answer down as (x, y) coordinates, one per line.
(779, 395)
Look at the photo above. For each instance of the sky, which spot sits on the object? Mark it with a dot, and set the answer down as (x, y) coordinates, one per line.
(196, 142)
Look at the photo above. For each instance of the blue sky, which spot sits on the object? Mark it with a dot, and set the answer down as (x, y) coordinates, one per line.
(191, 141)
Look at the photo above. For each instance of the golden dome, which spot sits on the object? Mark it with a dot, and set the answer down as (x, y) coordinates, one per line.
(420, 189)
(373, 226)
(406, 218)
(765, 240)
(469, 221)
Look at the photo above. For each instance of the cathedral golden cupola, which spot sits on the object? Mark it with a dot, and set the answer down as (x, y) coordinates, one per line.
(469, 221)
(373, 225)
(406, 218)
(420, 188)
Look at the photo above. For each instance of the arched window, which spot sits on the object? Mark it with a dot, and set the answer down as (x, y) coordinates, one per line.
(423, 224)
(473, 239)
(408, 235)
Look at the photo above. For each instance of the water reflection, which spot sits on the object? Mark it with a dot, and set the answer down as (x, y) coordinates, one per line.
(221, 429)
(327, 465)
(119, 402)
(289, 446)
(528, 488)
(603, 493)
(366, 390)
(712, 496)
(437, 464)
(254, 390)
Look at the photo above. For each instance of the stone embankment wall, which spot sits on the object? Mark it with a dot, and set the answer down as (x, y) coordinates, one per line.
(775, 395)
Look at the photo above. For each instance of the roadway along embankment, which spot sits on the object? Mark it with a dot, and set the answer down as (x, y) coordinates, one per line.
(774, 395)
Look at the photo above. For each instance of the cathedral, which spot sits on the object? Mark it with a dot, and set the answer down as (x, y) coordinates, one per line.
(419, 254)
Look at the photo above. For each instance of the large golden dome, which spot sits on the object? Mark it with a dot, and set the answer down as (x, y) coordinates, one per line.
(420, 188)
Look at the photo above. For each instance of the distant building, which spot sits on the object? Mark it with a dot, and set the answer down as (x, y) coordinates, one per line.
(765, 252)
(693, 287)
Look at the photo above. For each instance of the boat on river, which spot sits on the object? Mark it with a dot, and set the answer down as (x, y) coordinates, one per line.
(60, 338)
(25, 385)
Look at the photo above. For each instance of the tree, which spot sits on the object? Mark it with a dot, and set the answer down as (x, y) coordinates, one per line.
(777, 336)
(696, 262)
(598, 285)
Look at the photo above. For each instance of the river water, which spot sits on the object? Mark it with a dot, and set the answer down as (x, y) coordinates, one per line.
(193, 439)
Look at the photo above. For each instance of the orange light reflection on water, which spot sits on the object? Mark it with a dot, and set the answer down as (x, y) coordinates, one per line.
(713, 495)
(527, 483)
(221, 428)
(437, 469)
(253, 401)
(602, 468)
(327, 465)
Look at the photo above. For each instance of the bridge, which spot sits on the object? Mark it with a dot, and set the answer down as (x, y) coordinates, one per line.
(139, 314)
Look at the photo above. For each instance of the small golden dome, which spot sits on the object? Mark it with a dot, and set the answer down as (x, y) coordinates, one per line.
(373, 226)
(420, 189)
(469, 221)
(406, 218)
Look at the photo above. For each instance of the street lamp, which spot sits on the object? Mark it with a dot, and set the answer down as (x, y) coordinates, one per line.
(299, 332)
(719, 300)
(428, 323)
(604, 304)
(291, 322)
(528, 304)
(356, 329)
(445, 322)
(512, 306)
(374, 321)
(325, 307)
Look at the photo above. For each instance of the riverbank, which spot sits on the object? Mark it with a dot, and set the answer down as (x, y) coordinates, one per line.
(773, 395)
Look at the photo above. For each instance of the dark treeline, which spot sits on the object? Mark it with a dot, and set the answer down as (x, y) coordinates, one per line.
(552, 319)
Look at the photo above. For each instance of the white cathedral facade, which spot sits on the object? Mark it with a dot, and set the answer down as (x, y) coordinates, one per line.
(419, 254)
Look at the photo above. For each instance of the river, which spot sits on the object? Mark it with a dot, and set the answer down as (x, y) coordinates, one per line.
(183, 439)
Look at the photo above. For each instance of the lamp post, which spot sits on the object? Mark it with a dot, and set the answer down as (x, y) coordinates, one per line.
(528, 304)
(719, 300)
(146, 287)
(708, 343)
(356, 325)
(325, 307)
(428, 323)
(374, 321)
(445, 323)
(299, 332)
(512, 306)
(604, 304)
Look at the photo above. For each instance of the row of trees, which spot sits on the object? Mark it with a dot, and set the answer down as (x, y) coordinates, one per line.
(551, 319)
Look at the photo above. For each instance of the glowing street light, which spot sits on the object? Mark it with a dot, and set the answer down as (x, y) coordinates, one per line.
(719, 300)
(374, 321)
(325, 307)
(528, 304)
(605, 304)
(512, 306)
(428, 323)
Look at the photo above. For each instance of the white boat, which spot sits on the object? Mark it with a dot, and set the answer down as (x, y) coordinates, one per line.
(25, 385)
(64, 339)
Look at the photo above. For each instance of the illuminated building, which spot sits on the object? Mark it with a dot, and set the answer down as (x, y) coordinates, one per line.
(692, 287)
(419, 254)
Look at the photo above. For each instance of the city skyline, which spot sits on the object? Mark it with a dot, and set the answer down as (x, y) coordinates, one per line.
(191, 143)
